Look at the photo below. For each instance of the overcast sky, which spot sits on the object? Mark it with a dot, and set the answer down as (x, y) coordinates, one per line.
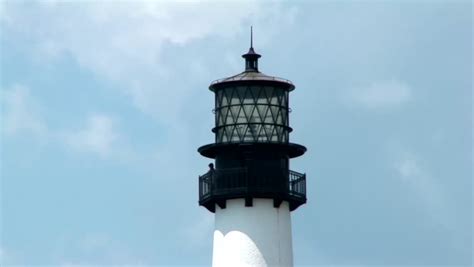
(103, 105)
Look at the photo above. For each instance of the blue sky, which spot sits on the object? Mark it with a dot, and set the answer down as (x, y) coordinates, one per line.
(103, 106)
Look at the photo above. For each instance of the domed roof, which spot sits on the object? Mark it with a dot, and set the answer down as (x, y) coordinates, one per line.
(252, 76)
(251, 73)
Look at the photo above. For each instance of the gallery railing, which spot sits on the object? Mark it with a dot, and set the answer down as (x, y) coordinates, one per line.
(238, 182)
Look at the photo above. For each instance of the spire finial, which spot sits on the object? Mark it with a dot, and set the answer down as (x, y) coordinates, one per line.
(251, 36)
(251, 58)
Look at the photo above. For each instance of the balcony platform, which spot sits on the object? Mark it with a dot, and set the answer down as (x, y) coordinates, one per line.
(215, 187)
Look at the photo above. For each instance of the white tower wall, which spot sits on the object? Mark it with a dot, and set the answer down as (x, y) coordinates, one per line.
(256, 236)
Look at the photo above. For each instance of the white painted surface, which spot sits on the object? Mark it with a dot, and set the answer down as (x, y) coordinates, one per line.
(255, 236)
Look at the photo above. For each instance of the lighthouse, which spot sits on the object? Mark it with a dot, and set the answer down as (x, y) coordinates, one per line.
(249, 187)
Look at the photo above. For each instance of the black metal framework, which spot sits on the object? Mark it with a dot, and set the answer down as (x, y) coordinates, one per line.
(218, 185)
(251, 114)
(252, 149)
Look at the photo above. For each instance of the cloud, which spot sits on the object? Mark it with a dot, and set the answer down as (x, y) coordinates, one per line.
(9, 257)
(125, 42)
(99, 135)
(410, 169)
(379, 95)
(20, 112)
(141, 49)
(200, 231)
(122, 41)
(95, 249)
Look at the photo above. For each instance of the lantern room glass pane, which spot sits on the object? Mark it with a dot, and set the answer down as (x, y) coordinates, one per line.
(234, 97)
(218, 99)
(261, 95)
(279, 118)
(251, 114)
(248, 96)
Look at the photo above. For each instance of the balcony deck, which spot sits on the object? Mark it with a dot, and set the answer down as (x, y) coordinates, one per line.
(283, 185)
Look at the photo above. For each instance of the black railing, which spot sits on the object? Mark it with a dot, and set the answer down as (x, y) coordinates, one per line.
(297, 182)
(237, 182)
(223, 181)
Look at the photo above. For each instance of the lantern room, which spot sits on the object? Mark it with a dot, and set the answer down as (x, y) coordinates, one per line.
(251, 113)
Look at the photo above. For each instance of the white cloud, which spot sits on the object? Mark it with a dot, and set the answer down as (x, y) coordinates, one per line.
(124, 41)
(379, 95)
(9, 257)
(125, 44)
(20, 112)
(91, 242)
(200, 231)
(408, 168)
(99, 135)
(413, 173)
(95, 249)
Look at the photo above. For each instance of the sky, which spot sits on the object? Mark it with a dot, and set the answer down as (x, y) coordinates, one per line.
(104, 104)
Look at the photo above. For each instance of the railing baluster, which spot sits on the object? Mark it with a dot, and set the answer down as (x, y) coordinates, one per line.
(223, 181)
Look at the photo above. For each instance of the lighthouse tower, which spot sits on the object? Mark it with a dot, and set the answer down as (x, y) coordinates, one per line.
(251, 190)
